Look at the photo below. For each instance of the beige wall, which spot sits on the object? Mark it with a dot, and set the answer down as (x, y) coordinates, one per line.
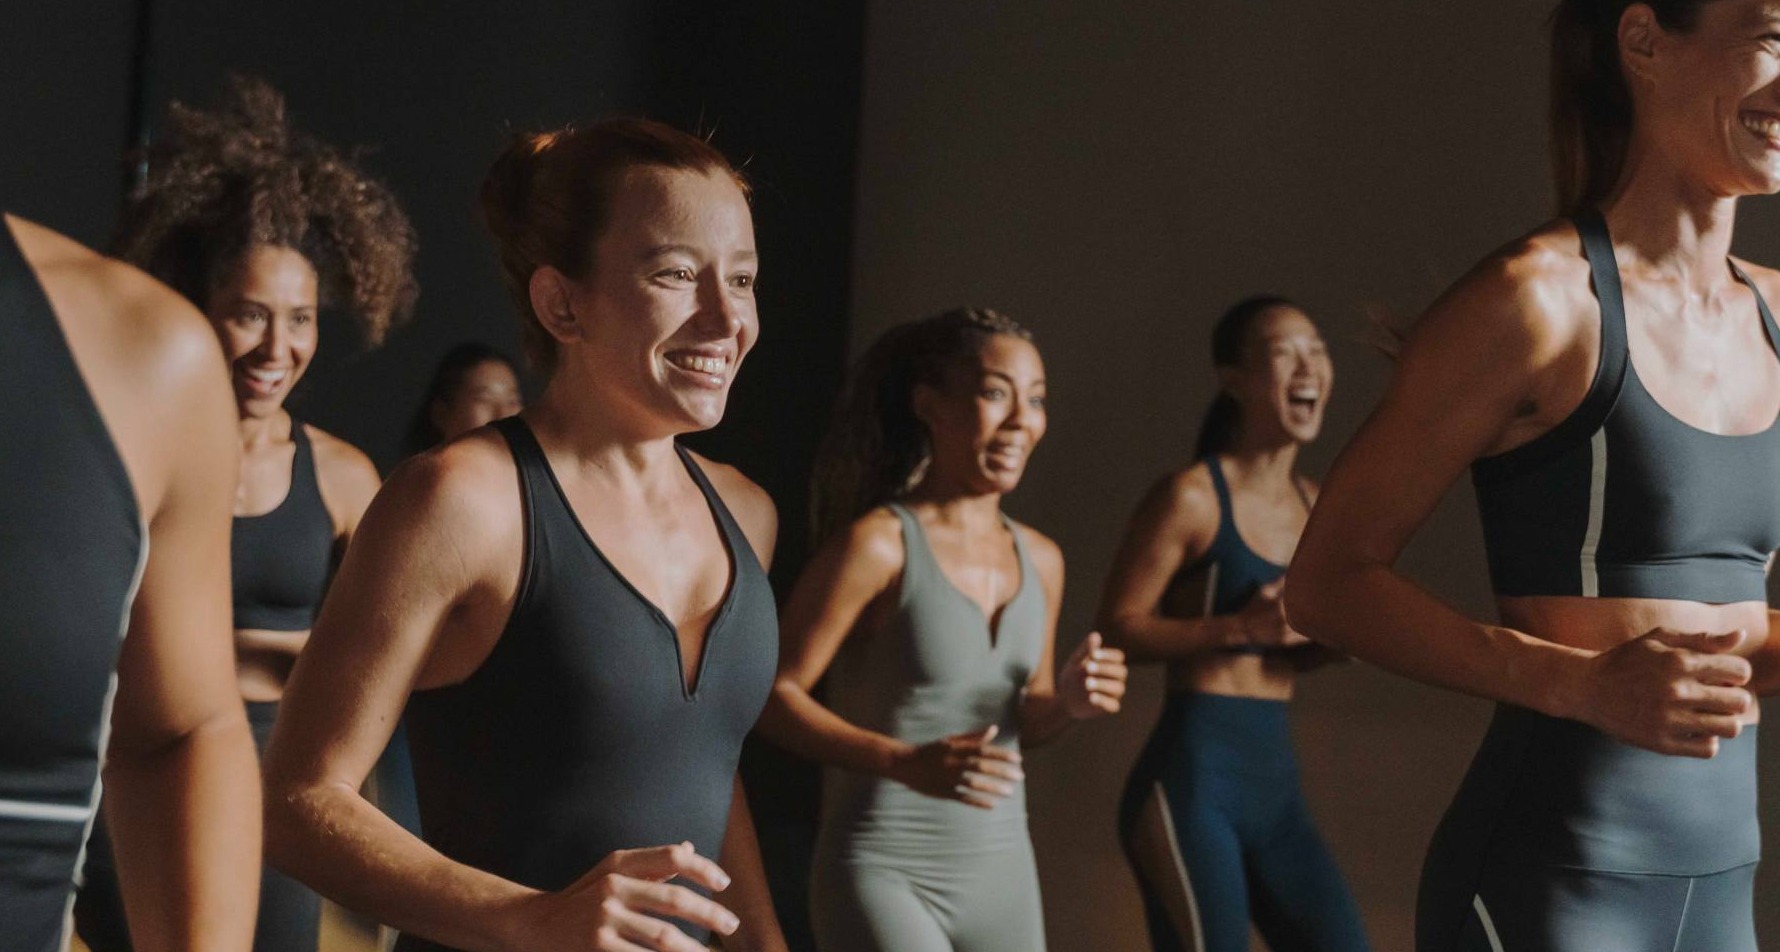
(1114, 174)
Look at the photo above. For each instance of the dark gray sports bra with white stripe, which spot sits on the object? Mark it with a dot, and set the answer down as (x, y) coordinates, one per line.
(1624, 500)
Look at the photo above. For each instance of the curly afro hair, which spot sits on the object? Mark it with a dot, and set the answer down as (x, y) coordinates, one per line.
(223, 182)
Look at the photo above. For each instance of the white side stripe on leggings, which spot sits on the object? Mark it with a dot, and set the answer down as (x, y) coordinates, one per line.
(1489, 925)
(45, 812)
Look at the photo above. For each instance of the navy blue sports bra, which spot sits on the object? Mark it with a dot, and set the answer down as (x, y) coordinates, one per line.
(1622, 499)
(1234, 572)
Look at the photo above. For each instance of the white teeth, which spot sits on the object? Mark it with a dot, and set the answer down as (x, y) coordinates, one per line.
(267, 376)
(1766, 128)
(704, 365)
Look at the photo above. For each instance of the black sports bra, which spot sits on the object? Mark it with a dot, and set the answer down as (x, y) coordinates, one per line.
(280, 560)
(1622, 499)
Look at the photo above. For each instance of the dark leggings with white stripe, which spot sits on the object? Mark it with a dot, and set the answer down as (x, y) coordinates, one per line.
(1562, 839)
(289, 913)
(1219, 834)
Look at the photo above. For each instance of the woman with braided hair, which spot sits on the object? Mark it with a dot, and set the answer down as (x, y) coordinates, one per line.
(934, 617)
(260, 226)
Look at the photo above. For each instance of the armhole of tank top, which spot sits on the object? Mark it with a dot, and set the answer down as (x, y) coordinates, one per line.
(67, 367)
(522, 445)
(1605, 385)
(1761, 305)
(910, 527)
(735, 541)
(1214, 467)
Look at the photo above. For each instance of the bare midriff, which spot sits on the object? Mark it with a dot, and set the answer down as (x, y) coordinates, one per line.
(1599, 624)
(263, 662)
(1268, 676)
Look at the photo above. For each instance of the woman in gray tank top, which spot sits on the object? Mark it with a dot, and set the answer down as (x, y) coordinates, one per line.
(933, 617)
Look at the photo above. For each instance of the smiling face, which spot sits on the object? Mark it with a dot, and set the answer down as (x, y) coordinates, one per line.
(1284, 380)
(265, 315)
(662, 322)
(986, 417)
(1710, 96)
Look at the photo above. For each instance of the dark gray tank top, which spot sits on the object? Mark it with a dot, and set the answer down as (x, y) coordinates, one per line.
(1624, 500)
(577, 736)
(938, 668)
(72, 545)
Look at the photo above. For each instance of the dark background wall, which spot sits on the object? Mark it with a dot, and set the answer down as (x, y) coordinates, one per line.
(429, 91)
(1114, 175)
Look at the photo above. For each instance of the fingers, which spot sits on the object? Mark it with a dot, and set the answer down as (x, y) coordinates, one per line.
(1719, 669)
(1714, 699)
(1701, 641)
(1271, 591)
(977, 782)
(662, 863)
(626, 930)
(998, 769)
(670, 901)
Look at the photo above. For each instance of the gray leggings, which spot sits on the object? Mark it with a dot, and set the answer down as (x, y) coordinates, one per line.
(1560, 910)
(1562, 839)
(983, 901)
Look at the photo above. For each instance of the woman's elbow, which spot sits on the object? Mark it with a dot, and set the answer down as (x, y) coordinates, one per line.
(1309, 602)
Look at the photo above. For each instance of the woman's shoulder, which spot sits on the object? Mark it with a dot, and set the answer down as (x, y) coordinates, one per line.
(1529, 301)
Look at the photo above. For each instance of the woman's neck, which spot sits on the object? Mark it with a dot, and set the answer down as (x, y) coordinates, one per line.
(596, 435)
(1675, 228)
(257, 433)
(956, 505)
(1259, 461)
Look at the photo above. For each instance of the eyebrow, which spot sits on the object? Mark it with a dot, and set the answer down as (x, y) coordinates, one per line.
(1009, 378)
(658, 251)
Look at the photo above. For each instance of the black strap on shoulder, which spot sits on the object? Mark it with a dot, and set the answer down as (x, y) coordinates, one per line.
(1761, 304)
(1597, 246)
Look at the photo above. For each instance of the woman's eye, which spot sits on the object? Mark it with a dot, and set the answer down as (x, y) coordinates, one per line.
(300, 319)
(744, 281)
(994, 393)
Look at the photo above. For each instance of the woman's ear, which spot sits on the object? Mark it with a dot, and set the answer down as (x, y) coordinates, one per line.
(553, 297)
(1638, 34)
(923, 402)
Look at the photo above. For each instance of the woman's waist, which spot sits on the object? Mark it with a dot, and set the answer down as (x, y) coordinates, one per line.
(1571, 795)
(1269, 675)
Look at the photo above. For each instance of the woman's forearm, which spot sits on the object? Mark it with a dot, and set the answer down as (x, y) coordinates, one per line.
(331, 838)
(1148, 637)
(748, 895)
(185, 824)
(798, 722)
(1372, 613)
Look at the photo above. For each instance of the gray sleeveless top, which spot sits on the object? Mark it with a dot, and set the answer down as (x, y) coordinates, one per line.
(937, 669)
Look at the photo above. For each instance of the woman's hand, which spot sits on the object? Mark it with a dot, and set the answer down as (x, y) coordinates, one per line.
(1262, 622)
(1092, 682)
(1668, 691)
(966, 767)
(623, 904)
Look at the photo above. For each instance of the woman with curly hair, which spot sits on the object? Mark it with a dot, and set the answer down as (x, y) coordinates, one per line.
(934, 618)
(260, 226)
